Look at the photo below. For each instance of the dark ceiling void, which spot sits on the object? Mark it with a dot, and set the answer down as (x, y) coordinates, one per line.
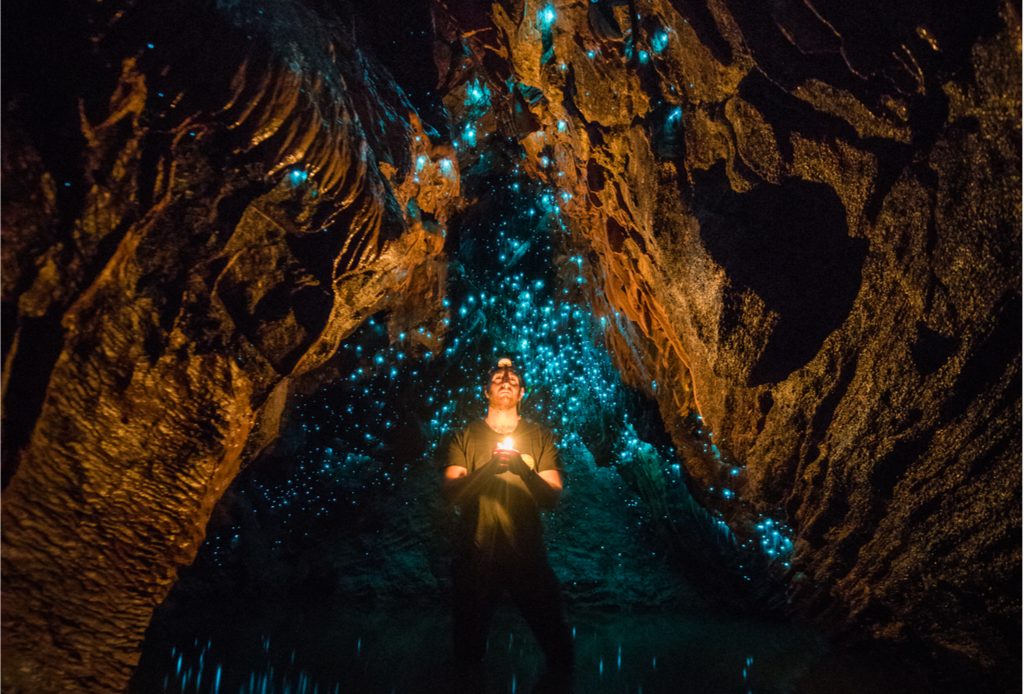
(761, 267)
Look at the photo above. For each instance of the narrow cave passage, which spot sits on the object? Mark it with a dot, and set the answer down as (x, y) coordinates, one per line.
(326, 564)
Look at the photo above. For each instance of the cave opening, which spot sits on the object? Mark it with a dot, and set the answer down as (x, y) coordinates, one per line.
(326, 563)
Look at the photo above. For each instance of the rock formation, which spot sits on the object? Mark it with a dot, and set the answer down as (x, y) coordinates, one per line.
(801, 220)
(204, 213)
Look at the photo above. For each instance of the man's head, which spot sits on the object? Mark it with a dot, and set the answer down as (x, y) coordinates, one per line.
(505, 387)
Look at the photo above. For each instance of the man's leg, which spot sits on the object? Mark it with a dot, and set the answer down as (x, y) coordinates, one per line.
(538, 596)
(473, 602)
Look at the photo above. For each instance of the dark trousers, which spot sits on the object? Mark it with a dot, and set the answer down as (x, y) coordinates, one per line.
(479, 582)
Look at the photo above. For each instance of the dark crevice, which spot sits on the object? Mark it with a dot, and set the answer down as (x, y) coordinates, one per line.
(788, 244)
(40, 341)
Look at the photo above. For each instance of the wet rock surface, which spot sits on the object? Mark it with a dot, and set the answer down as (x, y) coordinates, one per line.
(802, 222)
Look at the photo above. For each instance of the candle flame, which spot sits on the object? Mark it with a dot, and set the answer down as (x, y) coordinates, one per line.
(506, 444)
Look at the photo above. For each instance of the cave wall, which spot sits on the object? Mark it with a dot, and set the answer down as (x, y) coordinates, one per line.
(200, 203)
(802, 220)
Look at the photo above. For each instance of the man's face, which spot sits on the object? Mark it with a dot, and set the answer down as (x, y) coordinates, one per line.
(505, 389)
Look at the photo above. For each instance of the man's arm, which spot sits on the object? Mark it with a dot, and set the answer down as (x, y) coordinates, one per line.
(546, 486)
(544, 480)
(459, 486)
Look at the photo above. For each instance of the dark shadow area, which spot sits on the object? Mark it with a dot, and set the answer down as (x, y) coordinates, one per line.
(787, 243)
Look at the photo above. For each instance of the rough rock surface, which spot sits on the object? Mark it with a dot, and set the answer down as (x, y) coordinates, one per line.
(199, 205)
(803, 222)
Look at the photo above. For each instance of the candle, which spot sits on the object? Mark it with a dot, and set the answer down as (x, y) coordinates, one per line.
(506, 444)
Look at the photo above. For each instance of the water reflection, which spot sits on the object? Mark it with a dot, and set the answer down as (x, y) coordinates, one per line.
(407, 650)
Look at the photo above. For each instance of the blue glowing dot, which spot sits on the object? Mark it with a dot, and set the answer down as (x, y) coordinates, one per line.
(421, 161)
(675, 114)
(644, 57)
(545, 162)
(546, 17)
(591, 54)
(446, 166)
(562, 126)
(659, 41)
(150, 46)
(297, 177)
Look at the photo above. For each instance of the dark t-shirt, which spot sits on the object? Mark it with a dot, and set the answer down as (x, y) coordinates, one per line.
(505, 516)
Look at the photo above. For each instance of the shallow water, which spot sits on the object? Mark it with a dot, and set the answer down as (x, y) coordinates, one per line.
(408, 650)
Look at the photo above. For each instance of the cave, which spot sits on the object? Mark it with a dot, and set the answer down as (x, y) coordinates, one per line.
(758, 265)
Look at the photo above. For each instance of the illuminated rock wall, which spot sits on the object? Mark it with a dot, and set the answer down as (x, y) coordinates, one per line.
(198, 207)
(810, 216)
(802, 221)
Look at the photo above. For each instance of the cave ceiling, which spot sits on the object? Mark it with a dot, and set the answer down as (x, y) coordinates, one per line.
(799, 220)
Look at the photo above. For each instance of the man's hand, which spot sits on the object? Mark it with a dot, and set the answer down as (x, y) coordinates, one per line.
(511, 461)
(518, 466)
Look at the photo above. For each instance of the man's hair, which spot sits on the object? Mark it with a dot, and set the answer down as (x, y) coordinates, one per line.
(505, 364)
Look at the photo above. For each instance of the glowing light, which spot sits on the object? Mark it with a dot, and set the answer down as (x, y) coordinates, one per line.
(297, 177)
(675, 115)
(562, 126)
(506, 444)
(421, 161)
(546, 17)
(659, 41)
(644, 57)
(446, 166)
(478, 94)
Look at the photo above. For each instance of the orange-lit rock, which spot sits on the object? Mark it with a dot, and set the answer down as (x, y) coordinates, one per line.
(236, 215)
(803, 222)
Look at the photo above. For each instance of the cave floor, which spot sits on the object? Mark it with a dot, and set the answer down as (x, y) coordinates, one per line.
(408, 650)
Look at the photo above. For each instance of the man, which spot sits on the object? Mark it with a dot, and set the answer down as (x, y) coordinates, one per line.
(500, 471)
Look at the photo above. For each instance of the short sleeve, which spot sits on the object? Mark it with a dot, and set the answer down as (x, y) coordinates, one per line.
(456, 452)
(548, 459)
